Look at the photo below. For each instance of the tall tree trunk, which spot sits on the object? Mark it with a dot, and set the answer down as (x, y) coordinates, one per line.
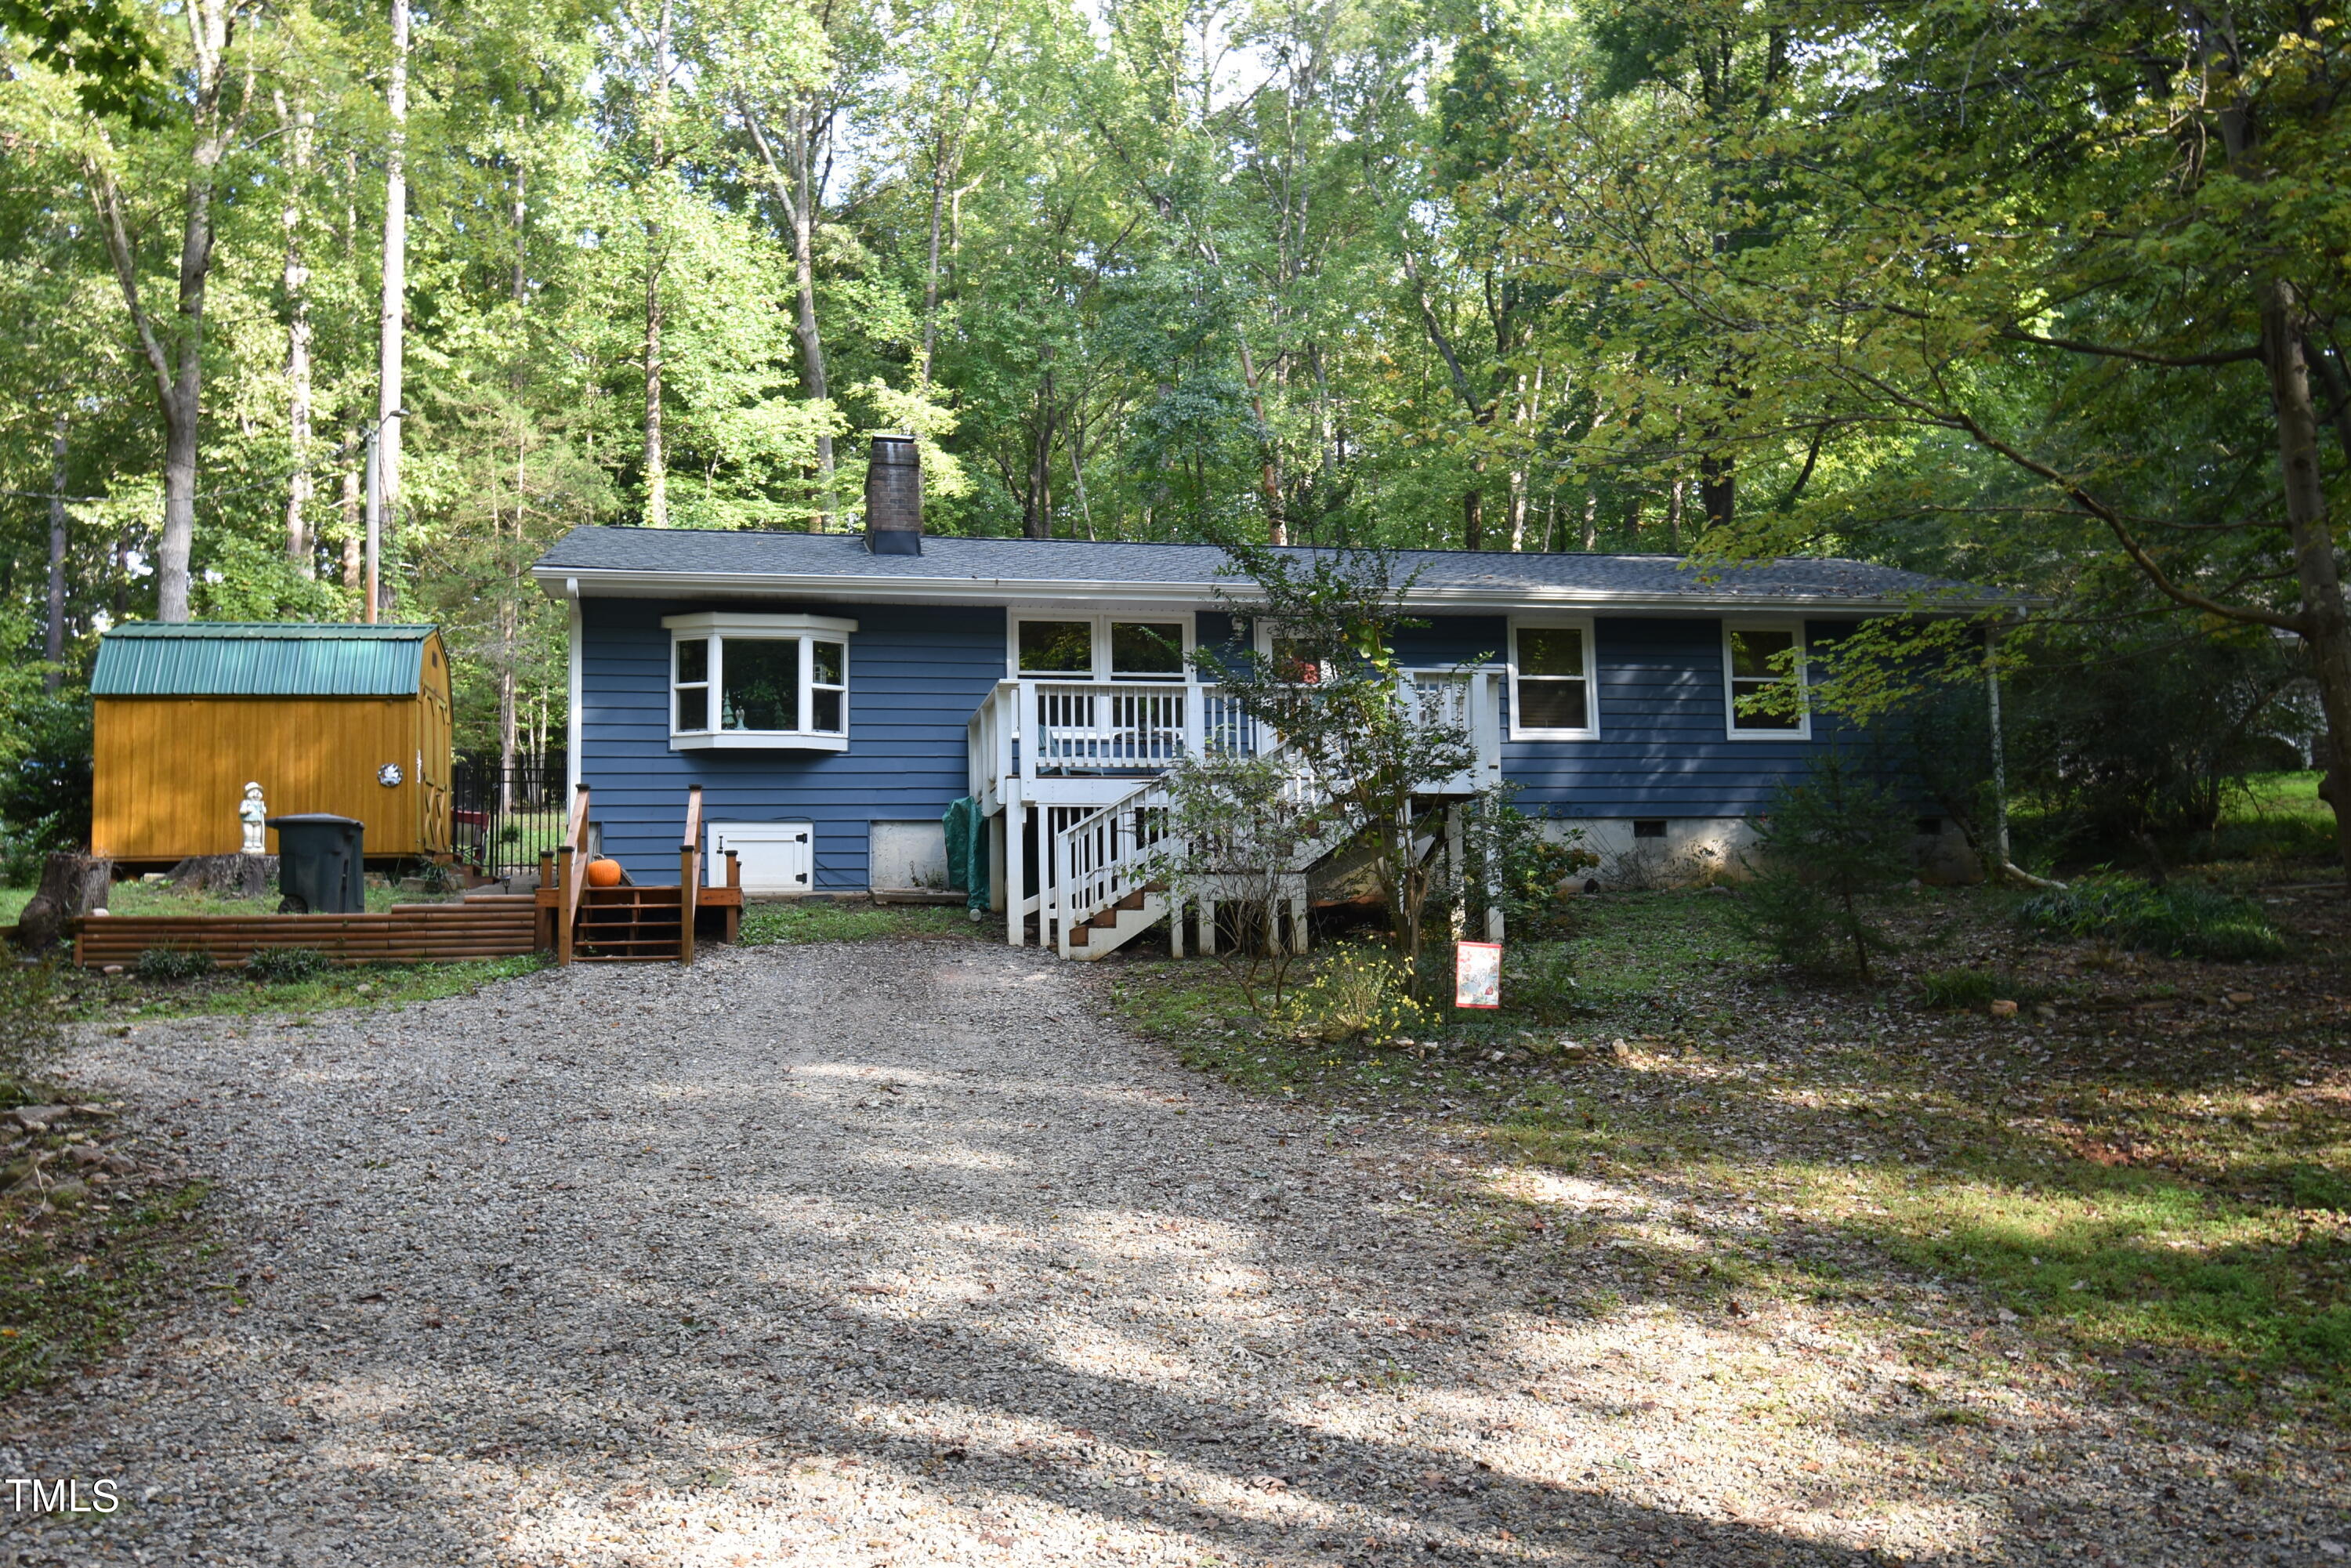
(2326, 626)
(2325, 622)
(354, 569)
(393, 319)
(1037, 515)
(174, 356)
(940, 179)
(656, 514)
(53, 634)
(1592, 519)
(1276, 527)
(805, 136)
(1473, 517)
(1674, 496)
(510, 590)
(299, 546)
(1718, 491)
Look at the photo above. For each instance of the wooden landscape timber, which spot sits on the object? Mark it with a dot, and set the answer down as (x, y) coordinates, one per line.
(497, 927)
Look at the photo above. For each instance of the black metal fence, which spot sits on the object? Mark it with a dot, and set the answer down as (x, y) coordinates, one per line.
(503, 819)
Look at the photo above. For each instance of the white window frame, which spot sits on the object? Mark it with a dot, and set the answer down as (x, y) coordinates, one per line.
(1100, 622)
(717, 626)
(1804, 727)
(1581, 625)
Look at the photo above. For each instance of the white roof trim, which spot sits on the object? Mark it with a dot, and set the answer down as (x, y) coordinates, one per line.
(611, 583)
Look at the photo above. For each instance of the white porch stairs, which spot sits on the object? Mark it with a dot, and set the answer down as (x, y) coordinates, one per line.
(1098, 874)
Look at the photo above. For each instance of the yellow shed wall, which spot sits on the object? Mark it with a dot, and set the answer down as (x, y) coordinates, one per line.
(169, 771)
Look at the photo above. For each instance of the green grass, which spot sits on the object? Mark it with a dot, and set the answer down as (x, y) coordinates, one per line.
(805, 920)
(2180, 919)
(70, 1292)
(156, 898)
(2171, 1203)
(231, 991)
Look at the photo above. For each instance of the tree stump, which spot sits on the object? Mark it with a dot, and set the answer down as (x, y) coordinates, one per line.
(231, 876)
(71, 884)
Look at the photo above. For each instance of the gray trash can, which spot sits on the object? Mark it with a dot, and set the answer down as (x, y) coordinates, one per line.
(320, 869)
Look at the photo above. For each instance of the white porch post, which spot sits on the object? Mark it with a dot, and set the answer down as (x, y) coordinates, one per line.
(1015, 881)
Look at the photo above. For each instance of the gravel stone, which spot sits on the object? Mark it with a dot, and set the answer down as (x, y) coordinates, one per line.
(895, 1254)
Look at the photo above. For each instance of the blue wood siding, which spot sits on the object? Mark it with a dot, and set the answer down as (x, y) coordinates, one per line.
(916, 675)
(1663, 748)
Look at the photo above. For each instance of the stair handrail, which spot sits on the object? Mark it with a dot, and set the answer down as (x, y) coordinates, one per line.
(1084, 884)
(574, 874)
(689, 873)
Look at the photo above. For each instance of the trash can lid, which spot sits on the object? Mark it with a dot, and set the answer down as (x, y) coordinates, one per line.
(301, 818)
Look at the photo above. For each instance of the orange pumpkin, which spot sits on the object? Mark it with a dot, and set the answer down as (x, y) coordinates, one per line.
(603, 874)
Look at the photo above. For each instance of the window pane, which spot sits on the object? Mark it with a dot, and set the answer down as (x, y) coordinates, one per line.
(1550, 651)
(1551, 705)
(762, 677)
(1748, 702)
(826, 708)
(829, 658)
(693, 707)
(1139, 648)
(1057, 647)
(1751, 653)
(692, 661)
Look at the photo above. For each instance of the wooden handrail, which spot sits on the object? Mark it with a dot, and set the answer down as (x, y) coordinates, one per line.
(573, 872)
(689, 873)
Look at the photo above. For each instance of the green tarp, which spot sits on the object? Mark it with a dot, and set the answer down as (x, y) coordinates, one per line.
(967, 852)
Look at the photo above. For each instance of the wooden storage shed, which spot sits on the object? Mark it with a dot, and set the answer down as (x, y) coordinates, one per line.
(350, 719)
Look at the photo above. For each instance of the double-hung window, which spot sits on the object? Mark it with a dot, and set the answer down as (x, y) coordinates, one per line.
(1553, 693)
(1100, 647)
(1763, 681)
(759, 681)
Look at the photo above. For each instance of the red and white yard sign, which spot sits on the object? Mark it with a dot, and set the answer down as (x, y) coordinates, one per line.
(1477, 974)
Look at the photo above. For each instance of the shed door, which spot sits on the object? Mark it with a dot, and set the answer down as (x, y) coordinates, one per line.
(776, 857)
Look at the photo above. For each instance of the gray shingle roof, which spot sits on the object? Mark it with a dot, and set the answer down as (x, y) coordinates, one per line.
(683, 559)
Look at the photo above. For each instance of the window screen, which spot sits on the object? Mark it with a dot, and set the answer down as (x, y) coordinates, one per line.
(1555, 684)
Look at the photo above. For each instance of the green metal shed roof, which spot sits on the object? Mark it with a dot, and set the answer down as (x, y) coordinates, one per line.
(258, 659)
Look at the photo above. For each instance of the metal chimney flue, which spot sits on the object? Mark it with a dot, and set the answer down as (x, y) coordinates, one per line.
(893, 496)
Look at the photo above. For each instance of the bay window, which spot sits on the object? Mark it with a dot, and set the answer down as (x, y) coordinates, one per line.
(750, 682)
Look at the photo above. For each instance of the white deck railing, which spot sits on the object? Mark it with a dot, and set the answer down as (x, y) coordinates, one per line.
(1091, 860)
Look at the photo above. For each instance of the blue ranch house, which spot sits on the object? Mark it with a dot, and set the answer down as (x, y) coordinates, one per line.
(833, 695)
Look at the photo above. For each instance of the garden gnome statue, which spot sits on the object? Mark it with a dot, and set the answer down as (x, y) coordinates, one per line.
(253, 814)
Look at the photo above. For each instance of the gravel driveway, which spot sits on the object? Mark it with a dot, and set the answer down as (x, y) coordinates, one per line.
(895, 1254)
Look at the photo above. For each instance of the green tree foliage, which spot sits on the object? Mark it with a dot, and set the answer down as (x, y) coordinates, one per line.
(2034, 295)
(1828, 845)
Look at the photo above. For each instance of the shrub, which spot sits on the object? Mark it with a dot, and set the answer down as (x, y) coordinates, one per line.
(1542, 982)
(173, 964)
(1976, 988)
(286, 966)
(1356, 994)
(2180, 920)
(1826, 845)
(511, 833)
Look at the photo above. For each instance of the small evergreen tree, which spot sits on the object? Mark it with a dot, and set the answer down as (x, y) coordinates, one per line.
(1825, 847)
